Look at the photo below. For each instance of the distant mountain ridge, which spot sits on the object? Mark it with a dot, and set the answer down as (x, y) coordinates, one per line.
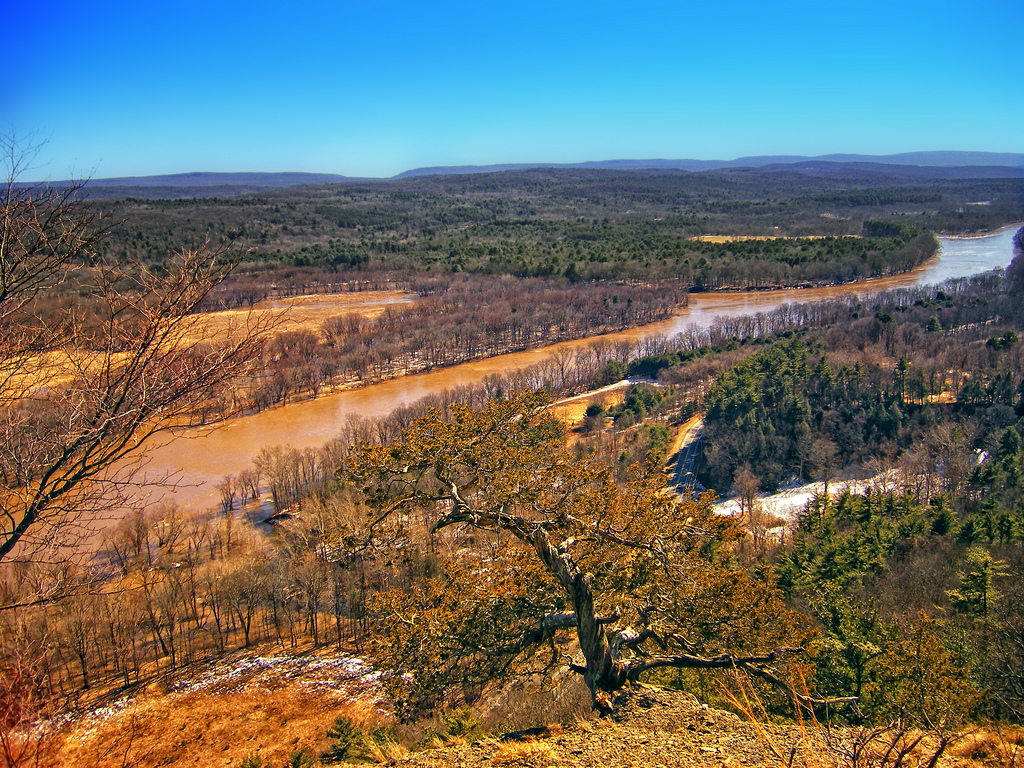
(210, 179)
(940, 159)
(197, 184)
(854, 169)
(936, 165)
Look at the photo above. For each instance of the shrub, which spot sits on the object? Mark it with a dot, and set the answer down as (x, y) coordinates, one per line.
(253, 760)
(355, 742)
(461, 724)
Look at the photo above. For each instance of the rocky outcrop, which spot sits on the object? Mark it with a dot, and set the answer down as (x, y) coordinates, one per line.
(650, 727)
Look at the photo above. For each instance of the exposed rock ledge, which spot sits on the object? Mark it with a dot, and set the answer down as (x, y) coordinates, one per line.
(652, 727)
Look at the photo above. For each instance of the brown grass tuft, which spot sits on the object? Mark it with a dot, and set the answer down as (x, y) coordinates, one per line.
(1002, 747)
(583, 724)
(516, 751)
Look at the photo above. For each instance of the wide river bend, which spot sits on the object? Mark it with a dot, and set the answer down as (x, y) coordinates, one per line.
(204, 456)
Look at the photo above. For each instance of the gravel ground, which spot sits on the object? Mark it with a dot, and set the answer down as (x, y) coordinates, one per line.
(651, 727)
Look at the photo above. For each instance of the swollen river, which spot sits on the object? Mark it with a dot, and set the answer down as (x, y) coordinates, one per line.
(200, 459)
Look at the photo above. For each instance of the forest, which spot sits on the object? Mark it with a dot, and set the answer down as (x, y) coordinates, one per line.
(473, 542)
(583, 225)
(924, 394)
(875, 383)
(459, 319)
(929, 554)
(509, 261)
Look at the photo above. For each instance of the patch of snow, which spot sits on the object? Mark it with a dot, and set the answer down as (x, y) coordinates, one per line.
(792, 500)
(327, 672)
(346, 677)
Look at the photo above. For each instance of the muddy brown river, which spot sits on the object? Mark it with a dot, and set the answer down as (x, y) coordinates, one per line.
(202, 457)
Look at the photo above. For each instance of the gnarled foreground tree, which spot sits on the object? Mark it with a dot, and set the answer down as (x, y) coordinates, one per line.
(95, 359)
(545, 563)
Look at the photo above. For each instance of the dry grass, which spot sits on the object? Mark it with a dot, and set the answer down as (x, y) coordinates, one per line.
(273, 713)
(208, 729)
(55, 369)
(893, 746)
(574, 410)
(380, 752)
(304, 312)
(1003, 747)
(520, 751)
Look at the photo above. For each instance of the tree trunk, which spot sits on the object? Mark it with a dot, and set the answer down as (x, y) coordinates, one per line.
(603, 673)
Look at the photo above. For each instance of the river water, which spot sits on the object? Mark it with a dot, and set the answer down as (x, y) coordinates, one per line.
(201, 458)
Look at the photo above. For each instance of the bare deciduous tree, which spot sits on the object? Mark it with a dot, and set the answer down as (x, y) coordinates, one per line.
(83, 391)
(23, 700)
(824, 456)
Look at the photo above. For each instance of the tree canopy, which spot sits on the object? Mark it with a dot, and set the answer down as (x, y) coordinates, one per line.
(543, 562)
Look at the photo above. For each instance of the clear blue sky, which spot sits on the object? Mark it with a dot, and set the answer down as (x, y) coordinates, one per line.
(375, 88)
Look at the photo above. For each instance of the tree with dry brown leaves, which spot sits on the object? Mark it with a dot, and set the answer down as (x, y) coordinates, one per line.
(547, 563)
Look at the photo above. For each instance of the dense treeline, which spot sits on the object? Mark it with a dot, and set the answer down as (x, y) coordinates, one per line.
(581, 224)
(865, 198)
(865, 565)
(653, 251)
(458, 319)
(924, 390)
(879, 380)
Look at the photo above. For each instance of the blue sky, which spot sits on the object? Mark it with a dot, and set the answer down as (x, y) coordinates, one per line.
(372, 89)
